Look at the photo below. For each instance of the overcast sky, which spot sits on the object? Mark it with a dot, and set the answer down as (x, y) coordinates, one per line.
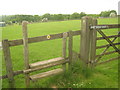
(40, 7)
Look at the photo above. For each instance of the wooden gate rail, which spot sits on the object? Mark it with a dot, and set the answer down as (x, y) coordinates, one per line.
(41, 38)
(109, 41)
(103, 46)
(112, 59)
(98, 27)
(107, 53)
(112, 36)
(105, 50)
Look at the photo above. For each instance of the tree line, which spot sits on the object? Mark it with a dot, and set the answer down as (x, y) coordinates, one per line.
(52, 17)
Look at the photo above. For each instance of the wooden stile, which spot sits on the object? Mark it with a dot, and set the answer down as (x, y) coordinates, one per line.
(87, 53)
(45, 66)
(26, 51)
(8, 62)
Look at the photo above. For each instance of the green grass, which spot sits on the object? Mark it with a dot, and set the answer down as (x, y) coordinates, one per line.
(103, 76)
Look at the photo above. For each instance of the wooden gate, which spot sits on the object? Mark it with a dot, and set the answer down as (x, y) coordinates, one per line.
(111, 43)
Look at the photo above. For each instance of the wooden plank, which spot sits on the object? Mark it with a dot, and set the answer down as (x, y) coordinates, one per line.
(103, 46)
(45, 66)
(42, 63)
(46, 74)
(70, 46)
(107, 53)
(64, 42)
(8, 62)
(112, 59)
(85, 39)
(41, 38)
(26, 51)
(110, 42)
(112, 36)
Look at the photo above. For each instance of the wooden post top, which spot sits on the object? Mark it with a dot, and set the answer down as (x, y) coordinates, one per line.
(24, 22)
(86, 17)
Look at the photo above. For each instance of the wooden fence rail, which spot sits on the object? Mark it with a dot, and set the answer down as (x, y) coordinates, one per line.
(41, 38)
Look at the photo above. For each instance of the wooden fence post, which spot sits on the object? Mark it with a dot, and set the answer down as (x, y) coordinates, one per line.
(26, 51)
(64, 48)
(93, 41)
(8, 62)
(70, 46)
(85, 39)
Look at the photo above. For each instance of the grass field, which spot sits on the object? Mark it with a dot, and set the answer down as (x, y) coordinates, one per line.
(103, 76)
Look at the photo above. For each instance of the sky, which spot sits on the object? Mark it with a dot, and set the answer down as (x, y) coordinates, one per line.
(40, 7)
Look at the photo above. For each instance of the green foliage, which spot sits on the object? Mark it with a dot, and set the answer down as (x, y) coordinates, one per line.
(75, 16)
(107, 13)
(47, 15)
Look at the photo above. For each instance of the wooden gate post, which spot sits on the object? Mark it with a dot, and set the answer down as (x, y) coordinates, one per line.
(85, 39)
(26, 51)
(93, 41)
(8, 62)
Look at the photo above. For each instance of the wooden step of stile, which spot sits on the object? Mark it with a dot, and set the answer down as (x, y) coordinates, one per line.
(46, 62)
(46, 74)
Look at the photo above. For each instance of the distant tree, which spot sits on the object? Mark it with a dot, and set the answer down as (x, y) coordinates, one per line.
(58, 17)
(93, 15)
(113, 11)
(37, 18)
(107, 13)
(82, 14)
(66, 16)
(47, 15)
(75, 16)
